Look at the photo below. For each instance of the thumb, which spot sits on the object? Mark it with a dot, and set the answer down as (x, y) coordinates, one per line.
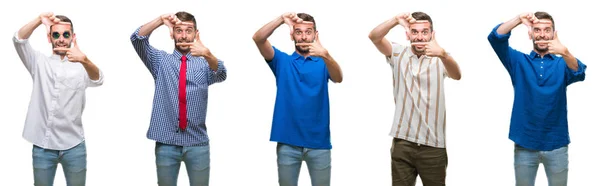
(555, 35)
(198, 36)
(75, 42)
(317, 38)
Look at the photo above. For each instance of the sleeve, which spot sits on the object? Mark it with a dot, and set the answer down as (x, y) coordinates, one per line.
(575, 76)
(148, 54)
(502, 49)
(274, 63)
(217, 76)
(95, 83)
(398, 51)
(28, 55)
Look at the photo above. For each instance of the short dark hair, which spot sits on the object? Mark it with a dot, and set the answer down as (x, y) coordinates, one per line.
(184, 16)
(63, 18)
(307, 17)
(544, 15)
(423, 16)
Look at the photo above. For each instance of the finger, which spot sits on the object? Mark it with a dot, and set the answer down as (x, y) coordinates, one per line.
(184, 44)
(63, 23)
(544, 21)
(62, 49)
(185, 23)
(198, 37)
(420, 21)
(542, 42)
(306, 22)
(75, 43)
(303, 44)
(419, 43)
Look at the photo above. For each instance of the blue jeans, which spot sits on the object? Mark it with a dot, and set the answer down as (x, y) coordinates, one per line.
(169, 158)
(556, 165)
(73, 161)
(289, 162)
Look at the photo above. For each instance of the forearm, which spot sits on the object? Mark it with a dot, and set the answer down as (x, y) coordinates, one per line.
(333, 68)
(451, 66)
(91, 69)
(213, 62)
(263, 33)
(508, 25)
(379, 32)
(28, 29)
(570, 60)
(149, 27)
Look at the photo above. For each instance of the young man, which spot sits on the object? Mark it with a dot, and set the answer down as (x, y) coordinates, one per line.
(538, 124)
(53, 122)
(301, 117)
(180, 98)
(419, 125)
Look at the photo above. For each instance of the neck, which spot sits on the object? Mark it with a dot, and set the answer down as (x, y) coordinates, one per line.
(419, 54)
(542, 54)
(305, 55)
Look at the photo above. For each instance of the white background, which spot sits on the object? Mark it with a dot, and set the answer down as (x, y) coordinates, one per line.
(117, 114)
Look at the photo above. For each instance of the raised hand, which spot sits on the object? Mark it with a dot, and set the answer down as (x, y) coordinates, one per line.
(170, 20)
(554, 45)
(48, 20)
(196, 47)
(405, 19)
(73, 54)
(291, 19)
(432, 48)
(315, 48)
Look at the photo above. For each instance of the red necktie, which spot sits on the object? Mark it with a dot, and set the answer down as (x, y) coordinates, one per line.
(182, 99)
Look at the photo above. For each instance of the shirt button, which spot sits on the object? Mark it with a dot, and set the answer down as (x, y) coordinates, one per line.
(540, 75)
(541, 67)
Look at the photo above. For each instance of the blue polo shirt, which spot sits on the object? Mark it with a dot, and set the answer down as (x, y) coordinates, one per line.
(301, 114)
(539, 114)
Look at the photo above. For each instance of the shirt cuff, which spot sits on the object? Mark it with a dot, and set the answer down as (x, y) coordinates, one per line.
(580, 70)
(220, 68)
(500, 36)
(136, 34)
(17, 39)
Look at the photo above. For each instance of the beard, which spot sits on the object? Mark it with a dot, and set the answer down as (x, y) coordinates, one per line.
(414, 47)
(537, 47)
(299, 48)
(183, 49)
(59, 44)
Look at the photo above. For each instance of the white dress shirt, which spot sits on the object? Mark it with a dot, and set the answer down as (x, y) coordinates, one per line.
(57, 98)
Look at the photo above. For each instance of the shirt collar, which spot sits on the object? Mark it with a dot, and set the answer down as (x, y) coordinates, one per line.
(57, 57)
(297, 56)
(178, 54)
(534, 54)
(411, 54)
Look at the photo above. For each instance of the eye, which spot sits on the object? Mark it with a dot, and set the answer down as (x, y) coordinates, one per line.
(298, 32)
(55, 35)
(66, 35)
(309, 32)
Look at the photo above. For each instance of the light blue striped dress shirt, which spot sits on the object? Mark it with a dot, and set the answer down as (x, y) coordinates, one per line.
(164, 67)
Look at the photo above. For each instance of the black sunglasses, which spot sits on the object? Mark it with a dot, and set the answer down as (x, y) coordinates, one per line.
(56, 35)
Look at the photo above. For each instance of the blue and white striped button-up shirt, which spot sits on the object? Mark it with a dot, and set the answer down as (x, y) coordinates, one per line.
(164, 67)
